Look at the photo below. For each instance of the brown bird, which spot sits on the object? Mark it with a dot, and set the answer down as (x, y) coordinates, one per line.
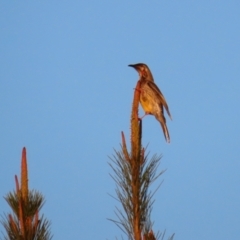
(151, 98)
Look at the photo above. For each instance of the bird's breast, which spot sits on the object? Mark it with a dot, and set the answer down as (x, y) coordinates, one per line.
(146, 104)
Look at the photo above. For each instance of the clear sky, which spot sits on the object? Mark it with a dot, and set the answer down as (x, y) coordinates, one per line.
(66, 93)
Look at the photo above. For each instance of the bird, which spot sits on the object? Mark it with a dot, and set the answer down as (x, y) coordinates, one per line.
(151, 98)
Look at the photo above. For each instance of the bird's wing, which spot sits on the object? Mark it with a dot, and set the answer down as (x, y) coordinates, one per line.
(158, 93)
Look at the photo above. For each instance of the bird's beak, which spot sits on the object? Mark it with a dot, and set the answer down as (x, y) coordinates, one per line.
(132, 65)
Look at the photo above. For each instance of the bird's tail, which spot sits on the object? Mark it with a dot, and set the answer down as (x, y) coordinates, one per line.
(162, 121)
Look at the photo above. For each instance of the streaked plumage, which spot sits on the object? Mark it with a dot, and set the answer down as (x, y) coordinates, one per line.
(151, 98)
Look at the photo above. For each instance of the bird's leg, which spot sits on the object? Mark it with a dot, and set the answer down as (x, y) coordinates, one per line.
(146, 113)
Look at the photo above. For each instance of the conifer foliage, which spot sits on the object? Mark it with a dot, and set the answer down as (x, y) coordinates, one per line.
(133, 173)
(25, 222)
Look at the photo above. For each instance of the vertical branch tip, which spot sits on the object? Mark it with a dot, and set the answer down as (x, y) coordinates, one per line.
(135, 127)
(17, 184)
(124, 148)
(24, 175)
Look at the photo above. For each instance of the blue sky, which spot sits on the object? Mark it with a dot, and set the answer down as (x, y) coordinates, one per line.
(66, 93)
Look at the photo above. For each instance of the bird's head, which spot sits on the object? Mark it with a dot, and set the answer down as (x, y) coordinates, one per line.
(143, 71)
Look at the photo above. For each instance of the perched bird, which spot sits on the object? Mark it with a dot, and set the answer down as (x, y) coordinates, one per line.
(151, 98)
